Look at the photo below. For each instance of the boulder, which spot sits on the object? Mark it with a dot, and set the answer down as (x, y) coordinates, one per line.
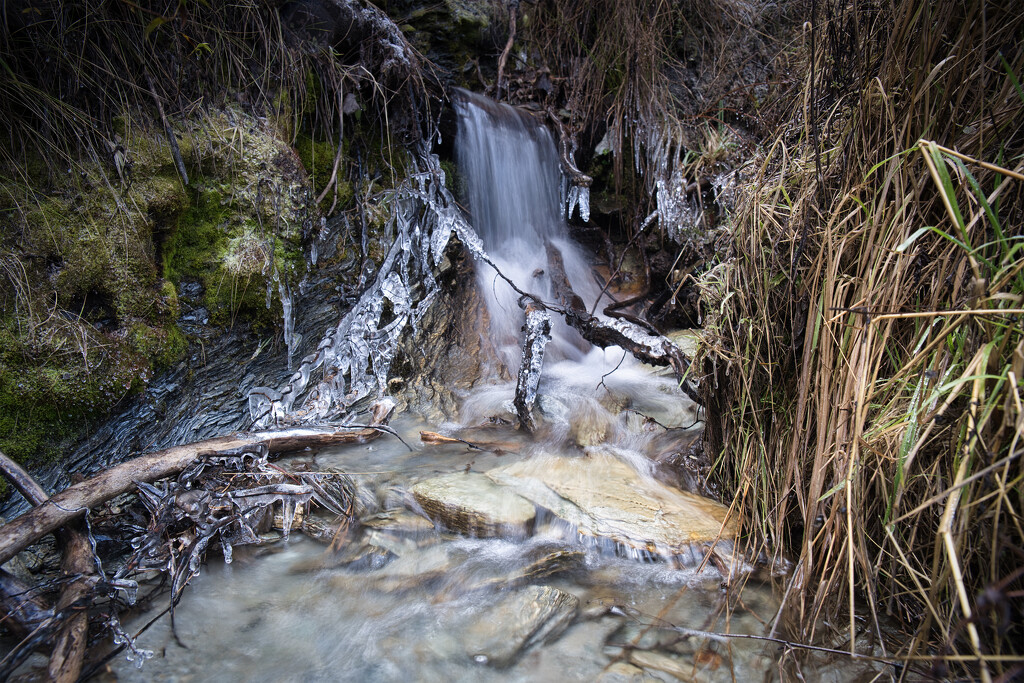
(473, 504)
(604, 497)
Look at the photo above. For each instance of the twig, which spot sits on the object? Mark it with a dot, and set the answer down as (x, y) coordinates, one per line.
(434, 437)
(512, 9)
(175, 152)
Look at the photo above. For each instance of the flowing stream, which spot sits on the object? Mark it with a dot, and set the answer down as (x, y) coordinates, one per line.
(552, 556)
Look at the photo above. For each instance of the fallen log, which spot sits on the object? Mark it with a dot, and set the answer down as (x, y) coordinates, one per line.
(76, 564)
(653, 349)
(75, 500)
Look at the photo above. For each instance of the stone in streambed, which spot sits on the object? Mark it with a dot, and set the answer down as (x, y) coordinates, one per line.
(604, 497)
(456, 570)
(520, 620)
(473, 504)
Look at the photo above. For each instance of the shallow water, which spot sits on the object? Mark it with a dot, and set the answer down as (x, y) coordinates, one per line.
(262, 618)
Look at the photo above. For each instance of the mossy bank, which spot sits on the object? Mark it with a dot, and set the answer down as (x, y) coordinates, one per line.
(96, 251)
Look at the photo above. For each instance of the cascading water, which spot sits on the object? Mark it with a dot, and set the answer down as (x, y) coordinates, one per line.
(511, 172)
(511, 169)
(587, 588)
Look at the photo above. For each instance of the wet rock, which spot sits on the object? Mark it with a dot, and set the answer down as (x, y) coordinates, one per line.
(473, 504)
(518, 621)
(537, 562)
(455, 569)
(624, 672)
(401, 544)
(661, 662)
(604, 497)
(413, 569)
(400, 521)
(355, 557)
(590, 424)
(319, 529)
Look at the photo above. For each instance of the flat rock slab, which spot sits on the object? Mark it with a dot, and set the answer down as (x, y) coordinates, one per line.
(604, 497)
(473, 504)
(519, 620)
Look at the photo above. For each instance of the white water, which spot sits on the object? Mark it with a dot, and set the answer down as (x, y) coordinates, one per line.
(511, 171)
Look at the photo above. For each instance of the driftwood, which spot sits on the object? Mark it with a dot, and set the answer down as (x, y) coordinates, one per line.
(77, 566)
(653, 349)
(435, 438)
(69, 651)
(74, 501)
(496, 447)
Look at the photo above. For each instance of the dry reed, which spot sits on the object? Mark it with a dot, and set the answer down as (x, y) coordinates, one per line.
(865, 347)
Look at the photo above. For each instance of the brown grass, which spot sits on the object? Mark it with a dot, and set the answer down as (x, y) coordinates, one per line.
(868, 350)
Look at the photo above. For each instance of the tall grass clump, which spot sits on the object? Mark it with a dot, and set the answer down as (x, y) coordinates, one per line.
(866, 345)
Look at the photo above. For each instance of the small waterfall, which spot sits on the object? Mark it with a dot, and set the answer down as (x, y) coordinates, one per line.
(587, 395)
(511, 170)
(510, 166)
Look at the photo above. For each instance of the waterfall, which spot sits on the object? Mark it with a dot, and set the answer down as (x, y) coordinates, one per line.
(516, 204)
(510, 168)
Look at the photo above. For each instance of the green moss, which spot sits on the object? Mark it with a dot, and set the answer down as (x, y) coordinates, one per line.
(164, 196)
(317, 158)
(452, 179)
(163, 346)
(99, 320)
(168, 301)
(198, 234)
(49, 396)
(229, 256)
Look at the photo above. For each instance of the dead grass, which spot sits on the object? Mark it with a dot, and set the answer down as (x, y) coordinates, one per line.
(865, 361)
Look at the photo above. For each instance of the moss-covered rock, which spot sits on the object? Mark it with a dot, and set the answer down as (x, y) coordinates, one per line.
(93, 259)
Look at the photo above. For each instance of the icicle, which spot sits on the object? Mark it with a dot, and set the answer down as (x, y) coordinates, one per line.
(584, 204)
(287, 516)
(289, 318)
(129, 587)
(572, 198)
(578, 196)
(135, 655)
(537, 334)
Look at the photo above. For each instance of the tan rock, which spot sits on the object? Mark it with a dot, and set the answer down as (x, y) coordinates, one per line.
(473, 504)
(603, 496)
